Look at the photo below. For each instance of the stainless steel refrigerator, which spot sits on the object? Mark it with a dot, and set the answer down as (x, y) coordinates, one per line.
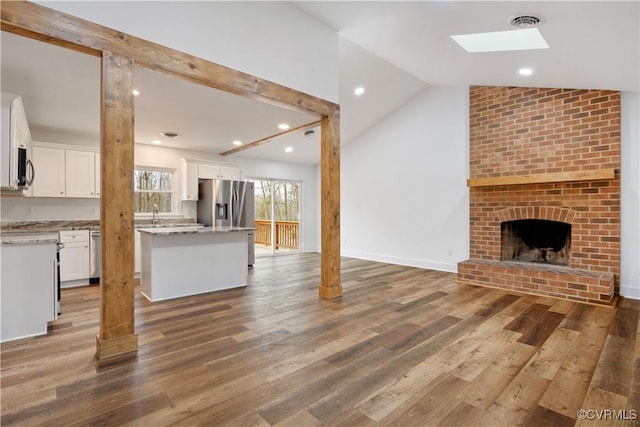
(223, 203)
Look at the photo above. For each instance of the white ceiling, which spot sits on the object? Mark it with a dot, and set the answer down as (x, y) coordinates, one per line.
(593, 44)
(393, 49)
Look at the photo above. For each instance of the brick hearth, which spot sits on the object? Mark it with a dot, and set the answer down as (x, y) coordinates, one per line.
(518, 132)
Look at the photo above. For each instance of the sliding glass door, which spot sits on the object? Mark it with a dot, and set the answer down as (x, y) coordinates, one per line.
(277, 216)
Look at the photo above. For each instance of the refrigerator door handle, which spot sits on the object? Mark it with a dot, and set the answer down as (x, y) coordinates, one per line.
(234, 208)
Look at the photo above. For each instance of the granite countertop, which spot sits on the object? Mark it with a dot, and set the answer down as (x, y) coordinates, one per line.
(29, 227)
(29, 238)
(191, 230)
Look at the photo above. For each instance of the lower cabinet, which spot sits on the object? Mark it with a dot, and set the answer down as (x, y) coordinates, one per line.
(74, 258)
(27, 289)
(137, 263)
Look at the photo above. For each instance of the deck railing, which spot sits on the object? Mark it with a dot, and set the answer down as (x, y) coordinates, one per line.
(287, 234)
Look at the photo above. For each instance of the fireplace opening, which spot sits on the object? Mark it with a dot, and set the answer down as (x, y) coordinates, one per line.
(536, 240)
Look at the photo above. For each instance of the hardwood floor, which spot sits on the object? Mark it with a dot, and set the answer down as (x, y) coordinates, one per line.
(402, 347)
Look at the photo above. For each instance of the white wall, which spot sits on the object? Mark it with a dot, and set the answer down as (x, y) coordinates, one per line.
(630, 210)
(404, 195)
(272, 40)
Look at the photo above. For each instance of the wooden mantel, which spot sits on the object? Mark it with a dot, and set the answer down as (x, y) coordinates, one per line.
(542, 178)
(119, 52)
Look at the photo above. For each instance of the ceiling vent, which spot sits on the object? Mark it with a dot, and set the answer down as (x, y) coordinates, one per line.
(527, 20)
(170, 134)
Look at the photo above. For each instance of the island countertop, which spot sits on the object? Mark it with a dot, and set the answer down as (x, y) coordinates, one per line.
(164, 231)
(28, 238)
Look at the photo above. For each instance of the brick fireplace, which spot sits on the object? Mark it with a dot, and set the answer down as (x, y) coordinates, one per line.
(553, 156)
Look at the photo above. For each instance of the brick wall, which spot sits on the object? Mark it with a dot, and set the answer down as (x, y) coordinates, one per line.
(519, 131)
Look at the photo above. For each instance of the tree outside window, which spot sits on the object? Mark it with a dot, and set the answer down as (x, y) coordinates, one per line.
(152, 187)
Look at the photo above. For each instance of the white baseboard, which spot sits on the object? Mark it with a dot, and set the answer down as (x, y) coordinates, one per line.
(630, 292)
(410, 262)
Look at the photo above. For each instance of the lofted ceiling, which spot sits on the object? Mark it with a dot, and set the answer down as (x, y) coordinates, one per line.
(394, 49)
(593, 44)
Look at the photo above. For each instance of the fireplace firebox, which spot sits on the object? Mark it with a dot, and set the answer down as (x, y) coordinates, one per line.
(536, 240)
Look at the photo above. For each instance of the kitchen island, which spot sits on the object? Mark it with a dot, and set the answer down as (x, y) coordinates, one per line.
(183, 261)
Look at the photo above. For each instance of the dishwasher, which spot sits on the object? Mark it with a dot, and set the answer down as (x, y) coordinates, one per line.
(95, 256)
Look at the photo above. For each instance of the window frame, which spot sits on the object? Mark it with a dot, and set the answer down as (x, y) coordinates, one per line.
(171, 192)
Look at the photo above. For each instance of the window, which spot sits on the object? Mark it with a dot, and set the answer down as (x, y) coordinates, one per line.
(152, 187)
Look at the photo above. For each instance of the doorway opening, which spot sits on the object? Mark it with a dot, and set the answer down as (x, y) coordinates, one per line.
(277, 216)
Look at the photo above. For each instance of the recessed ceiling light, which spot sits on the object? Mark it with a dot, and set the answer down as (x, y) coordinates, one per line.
(288, 149)
(283, 126)
(135, 92)
(236, 142)
(359, 91)
(525, 71)
(156, 142)
(498, 41)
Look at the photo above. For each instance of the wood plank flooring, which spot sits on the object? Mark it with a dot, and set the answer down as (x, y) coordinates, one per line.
(403, 347)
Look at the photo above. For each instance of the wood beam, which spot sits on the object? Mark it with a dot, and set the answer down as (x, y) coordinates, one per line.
(269, 138)
(46, 24)
(541, 178)
(117, 336)
(330, 281)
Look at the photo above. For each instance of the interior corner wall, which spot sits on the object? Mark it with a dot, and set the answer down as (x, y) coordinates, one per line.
(630, 200)
(250, 36)
(404, 198)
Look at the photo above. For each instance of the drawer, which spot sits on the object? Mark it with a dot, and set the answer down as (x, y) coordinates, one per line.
(67, 236)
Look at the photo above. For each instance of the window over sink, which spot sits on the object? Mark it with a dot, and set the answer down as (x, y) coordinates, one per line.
(152, 187)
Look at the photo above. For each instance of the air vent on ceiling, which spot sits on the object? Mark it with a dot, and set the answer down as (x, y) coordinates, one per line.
(170, 134)
(526, 20)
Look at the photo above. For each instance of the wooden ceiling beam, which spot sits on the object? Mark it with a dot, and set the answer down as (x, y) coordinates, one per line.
(269, 138)
(35, 21)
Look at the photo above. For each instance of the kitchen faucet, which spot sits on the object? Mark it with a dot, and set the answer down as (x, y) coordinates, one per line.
(155, 212)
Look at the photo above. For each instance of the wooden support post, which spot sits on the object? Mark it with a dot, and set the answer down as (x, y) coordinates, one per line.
(117, 336)
(330, 281)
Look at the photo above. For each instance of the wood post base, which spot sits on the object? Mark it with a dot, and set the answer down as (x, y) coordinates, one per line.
(330, 292)
(117, 347)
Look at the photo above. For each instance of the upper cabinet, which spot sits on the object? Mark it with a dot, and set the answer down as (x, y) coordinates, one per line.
(216, 171)
(189, 170)
(80, 173)
(96, 159)
(192, 170)
(50, 176)
(65, 172)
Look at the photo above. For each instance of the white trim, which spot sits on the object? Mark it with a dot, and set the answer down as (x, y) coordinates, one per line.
(630, 292)
(410, 262)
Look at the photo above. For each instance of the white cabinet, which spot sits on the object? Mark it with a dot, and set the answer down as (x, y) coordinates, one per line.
(80, 174)
(96, 159)
(213, 171)
(64, 172)
(49, 165)
(137, 256)
(27, 289)
(189, 177)
(74, 257)
(229, 172)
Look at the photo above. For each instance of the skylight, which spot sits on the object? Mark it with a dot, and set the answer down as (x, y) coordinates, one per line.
(498, 41)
